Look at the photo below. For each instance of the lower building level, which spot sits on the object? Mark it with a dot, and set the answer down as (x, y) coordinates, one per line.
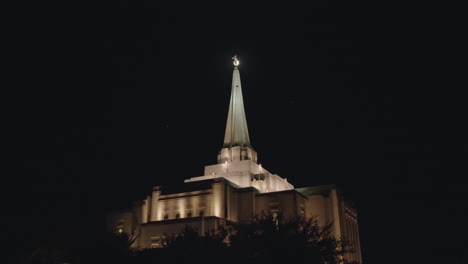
(208, 204)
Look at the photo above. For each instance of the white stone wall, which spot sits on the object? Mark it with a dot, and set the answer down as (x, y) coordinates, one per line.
(155, 212)
(241, 173)
(182, 206)
(352, 234)
(330, 208)
(218, 199)
(246, 205)
(224, 202)
(232, 166)
(145, 216)
(315, 208)
(237, 153)
(288, 203)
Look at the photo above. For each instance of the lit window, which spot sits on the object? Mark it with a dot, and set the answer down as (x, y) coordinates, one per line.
(155, 242)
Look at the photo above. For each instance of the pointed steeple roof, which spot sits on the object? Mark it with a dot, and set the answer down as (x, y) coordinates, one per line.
(237, 133)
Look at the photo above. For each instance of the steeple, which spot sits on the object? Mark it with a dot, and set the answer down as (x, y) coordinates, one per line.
(237, 160)
(237, 133)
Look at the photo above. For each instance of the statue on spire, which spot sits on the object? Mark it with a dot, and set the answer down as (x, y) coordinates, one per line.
(235, 61)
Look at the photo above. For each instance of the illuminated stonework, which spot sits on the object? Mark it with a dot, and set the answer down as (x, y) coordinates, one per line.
(233, 190)
(237, 160)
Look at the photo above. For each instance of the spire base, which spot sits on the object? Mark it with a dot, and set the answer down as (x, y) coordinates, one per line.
(237, 153)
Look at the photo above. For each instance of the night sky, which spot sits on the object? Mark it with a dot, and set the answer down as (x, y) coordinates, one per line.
(95, 112)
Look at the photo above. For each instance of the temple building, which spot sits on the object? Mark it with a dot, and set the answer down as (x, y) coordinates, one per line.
(232, 190)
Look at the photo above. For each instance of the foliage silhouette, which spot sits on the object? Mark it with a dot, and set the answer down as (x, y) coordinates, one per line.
(109, 248)
(265, 238)
(271, 238)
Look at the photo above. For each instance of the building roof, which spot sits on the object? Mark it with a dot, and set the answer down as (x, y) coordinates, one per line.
(314, 190)
(192, 186)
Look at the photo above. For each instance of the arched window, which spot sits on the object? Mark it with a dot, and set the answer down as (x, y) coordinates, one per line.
(189, 214)
(166, 217)
(202, 213)
(177, 216)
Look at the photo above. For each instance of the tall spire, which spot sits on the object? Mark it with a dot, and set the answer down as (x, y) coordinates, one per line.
(237, 133)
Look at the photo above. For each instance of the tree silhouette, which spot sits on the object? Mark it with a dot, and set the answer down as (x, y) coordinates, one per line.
(271, 238)
(109, 247)
(191, 240)
(265, 238)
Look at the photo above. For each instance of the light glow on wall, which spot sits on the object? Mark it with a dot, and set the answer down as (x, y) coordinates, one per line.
(181, 204)
(159, 212)
(217, 199)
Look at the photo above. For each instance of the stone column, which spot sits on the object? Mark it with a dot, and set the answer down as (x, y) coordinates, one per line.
(335, 212)
(145, 210)
(154, 204)
(218, 198)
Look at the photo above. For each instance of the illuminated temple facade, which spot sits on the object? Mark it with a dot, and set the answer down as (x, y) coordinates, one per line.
(232, 190)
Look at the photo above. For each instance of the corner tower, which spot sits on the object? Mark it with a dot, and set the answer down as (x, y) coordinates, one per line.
(237, 160)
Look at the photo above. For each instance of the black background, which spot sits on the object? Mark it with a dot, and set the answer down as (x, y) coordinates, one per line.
(99, 107)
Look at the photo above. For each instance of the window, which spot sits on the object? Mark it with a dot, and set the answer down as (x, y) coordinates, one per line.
(202, 213)
(177, 216)
(189, 214)
(155, 242)
(166, 217)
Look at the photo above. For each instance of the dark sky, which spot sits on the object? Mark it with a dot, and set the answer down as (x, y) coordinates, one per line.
(94, 112)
